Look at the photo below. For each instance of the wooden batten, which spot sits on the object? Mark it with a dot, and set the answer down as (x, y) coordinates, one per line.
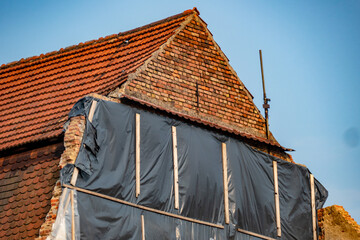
(254, 234)
(137, 154)
(225, 182)
(66, 198)
(313, 208)
(74, 176)
(145, 208)
(92, 110)
(176, 171)
(142, 227)
(276, 197)
(72, 215)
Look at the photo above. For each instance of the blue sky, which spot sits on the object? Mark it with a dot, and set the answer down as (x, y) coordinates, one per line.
(310, 50)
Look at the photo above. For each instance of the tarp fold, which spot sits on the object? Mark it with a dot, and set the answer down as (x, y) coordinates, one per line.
(107, 165)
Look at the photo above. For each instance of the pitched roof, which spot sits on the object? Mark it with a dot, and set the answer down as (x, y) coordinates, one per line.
(27, 180)
(37, 93)
(191, 75)
(173, 63)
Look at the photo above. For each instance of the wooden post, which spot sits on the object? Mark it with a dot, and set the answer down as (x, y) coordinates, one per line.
(255, 234)
(137, 154)
(72, 215)
(313, 209)
(225, 182)
(176, 171)
(74, 176)
(276, 195)
(65, 198)
(90, 117)
(92, 110)
(142, 227)
(145, 208)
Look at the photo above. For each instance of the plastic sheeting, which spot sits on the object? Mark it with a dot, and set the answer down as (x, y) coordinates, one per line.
(62, 226)
(107, 165)
(251, 189)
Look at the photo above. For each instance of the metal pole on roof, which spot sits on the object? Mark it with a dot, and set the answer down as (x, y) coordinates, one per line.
(266, 104)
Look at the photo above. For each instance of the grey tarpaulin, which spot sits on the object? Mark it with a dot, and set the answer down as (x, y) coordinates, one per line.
(295, 201)
(251, 189)
(107, 165)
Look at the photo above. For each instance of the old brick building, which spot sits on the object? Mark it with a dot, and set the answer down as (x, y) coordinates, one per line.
(172, 66)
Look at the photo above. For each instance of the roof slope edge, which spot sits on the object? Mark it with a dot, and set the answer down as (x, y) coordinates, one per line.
(271, 136)
(36, 94)
(25, 62)
(150, 75)
(120, 90)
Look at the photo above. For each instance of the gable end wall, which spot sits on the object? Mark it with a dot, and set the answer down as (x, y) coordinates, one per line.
(191, 75)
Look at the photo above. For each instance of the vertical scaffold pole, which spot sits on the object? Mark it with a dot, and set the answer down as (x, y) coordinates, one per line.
(225, 182)
(142, 228)
(313, 209)
(137, 154)
(276, 196)
(72, 215)
(266, 105)
(176, 171)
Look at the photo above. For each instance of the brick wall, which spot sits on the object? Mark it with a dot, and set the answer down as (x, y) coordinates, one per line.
(191, 75)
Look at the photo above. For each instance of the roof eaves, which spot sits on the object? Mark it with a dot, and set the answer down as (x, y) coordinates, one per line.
(55, 136)
(204, 122)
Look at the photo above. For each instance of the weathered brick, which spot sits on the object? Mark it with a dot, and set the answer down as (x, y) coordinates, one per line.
(72, 141)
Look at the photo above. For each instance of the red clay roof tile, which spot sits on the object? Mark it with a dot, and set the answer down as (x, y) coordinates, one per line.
(37, 93)
(30, 184)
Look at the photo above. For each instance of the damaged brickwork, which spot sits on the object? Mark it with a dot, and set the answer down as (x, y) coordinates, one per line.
(335, 223)
(72, 143)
